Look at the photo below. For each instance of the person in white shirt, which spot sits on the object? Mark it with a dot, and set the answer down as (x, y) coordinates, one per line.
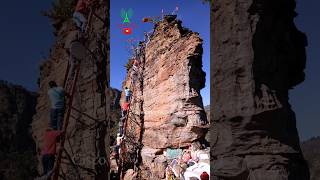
(56, 95)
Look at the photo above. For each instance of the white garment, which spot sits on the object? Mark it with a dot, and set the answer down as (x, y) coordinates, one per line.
(196, 170)
(119, 140)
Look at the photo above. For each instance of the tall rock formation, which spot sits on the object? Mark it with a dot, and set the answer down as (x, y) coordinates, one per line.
(166, 109)
(17, 148)
(87, 138)
(258, 55)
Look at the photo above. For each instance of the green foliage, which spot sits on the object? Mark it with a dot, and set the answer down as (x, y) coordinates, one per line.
(61, 10)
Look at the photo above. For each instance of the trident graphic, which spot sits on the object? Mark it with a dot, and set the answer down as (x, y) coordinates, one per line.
(126, 15)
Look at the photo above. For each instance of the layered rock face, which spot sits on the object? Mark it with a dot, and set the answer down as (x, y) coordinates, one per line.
(261, 56)
(87, 138)
(17, 149)
(167, 108)
(310, 149)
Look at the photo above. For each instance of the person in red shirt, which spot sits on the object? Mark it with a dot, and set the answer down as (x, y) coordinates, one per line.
(81, 11)
(135, 65)
(125, 108)
(48, 152)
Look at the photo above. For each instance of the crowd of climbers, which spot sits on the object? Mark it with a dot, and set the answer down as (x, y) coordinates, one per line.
(58, 95)
(126, 104)
(124, 113)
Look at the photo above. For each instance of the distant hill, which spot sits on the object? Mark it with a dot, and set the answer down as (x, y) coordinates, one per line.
(17, 149)
(311, 152)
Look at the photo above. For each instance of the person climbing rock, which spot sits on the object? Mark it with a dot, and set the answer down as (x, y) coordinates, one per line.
(117, 146)
(146, 38)
(135, 65)
(57, 97)
(48, 152)
(119, 139)
(127, 93)
(125, 108)
(81, 11)
(121, 121)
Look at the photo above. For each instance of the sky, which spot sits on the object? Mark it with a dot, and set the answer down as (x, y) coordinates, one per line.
(26, 37)
(194, 15)
(305, 98)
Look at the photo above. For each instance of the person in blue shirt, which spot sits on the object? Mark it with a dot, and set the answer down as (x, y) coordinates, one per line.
(56, 95)
(127, 93)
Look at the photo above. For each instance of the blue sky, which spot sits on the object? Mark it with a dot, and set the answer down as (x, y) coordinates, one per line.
(305, 98)
(194, 15)
(25, 36)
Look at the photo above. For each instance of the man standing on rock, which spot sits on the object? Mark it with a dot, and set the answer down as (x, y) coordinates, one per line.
(118, 145)
(125, 108)
(56, 95)
(127, 93)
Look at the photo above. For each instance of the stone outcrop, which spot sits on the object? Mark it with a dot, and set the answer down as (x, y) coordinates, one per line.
(87, 135)
(167, 109)
(258, 55)
(17, 149)
(310, 149)
(115, 114)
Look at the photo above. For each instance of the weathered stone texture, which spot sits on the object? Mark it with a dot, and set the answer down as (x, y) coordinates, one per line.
(172, 81)
(85, 136)
(169, 82)
(258, 54)
(17, 149)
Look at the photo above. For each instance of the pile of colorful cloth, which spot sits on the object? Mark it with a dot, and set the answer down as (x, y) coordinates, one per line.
(188, 164)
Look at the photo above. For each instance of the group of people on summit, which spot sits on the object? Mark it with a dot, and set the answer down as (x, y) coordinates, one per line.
(57, 96)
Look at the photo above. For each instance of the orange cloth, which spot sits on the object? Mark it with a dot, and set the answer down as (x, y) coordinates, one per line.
(50, 141)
